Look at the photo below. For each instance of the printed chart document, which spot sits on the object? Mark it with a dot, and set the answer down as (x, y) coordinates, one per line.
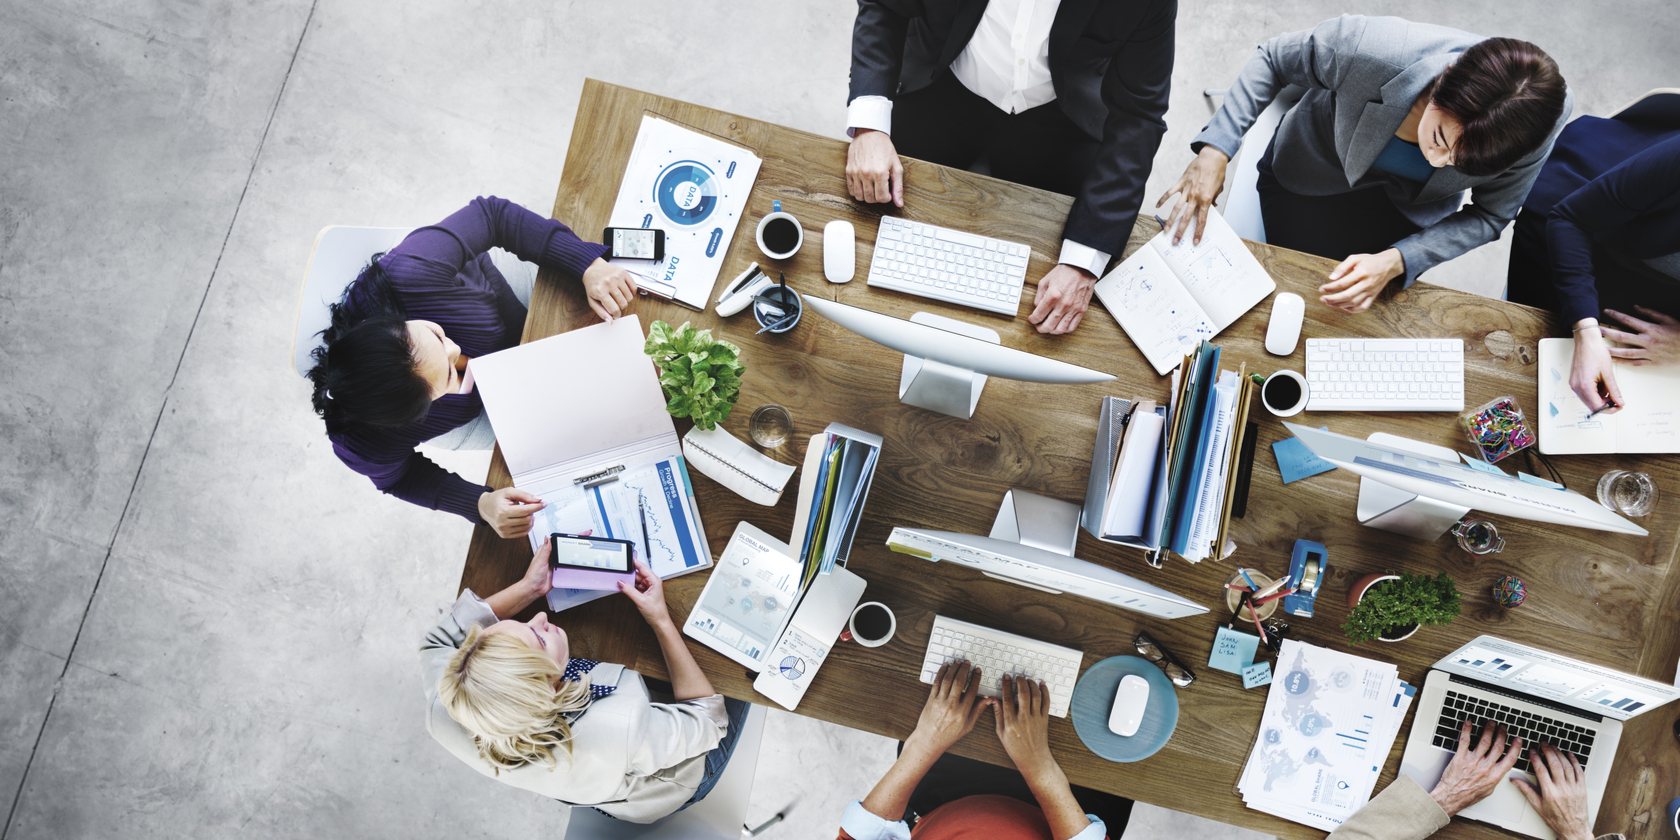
(1649, 424)
(694, 187)
(1329, 723)
(1169, 298)
(816, 625)
(748, 599)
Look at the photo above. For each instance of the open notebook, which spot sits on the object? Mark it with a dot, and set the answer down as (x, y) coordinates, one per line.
(1649, 423)
(1170, 298)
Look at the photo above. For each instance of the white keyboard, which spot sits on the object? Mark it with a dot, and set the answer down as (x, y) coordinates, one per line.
(997, 653)
(1385, 374)
(949, 265)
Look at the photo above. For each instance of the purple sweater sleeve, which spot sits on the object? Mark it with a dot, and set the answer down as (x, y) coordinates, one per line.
(1604, 204)
(435, 254)
(416, 479)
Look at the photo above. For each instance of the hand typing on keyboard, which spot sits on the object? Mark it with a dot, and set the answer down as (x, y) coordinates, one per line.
(952, 708)
(1562, 798)
(1474, 772)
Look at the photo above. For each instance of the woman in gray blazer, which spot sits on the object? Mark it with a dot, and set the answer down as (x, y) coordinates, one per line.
(1398, 120)
(508, 699)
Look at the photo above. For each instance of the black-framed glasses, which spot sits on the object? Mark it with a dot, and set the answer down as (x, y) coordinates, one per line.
(1152, 651)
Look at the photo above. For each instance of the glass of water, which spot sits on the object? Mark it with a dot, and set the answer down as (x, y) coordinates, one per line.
(770, 426)
(1627, 493)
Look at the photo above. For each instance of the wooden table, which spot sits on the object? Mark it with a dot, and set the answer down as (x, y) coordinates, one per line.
(1606, 598)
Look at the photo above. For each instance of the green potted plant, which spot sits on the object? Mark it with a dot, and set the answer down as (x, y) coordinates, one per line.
(701, 375)
(1392, 607)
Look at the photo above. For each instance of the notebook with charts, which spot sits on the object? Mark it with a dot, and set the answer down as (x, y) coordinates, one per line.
(1649, 423)
(1169, 298)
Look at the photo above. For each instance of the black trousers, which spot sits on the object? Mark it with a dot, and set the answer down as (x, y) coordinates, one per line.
(1621, 286)
(950, 125)
(954, 777)
(1335, 226)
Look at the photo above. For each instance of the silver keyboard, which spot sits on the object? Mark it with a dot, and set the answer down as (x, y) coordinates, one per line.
(1385, 374)
(949, 265)
(997, 653)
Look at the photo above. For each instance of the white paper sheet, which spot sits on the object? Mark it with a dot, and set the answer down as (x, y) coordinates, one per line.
(816, 625)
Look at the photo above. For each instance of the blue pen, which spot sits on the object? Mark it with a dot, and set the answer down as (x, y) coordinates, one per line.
(1251, 584)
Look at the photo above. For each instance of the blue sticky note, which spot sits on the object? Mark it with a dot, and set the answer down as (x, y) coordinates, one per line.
(1479, 464)
(1233, 651)
(1539, 481)
(1260, 673)
(1296, 461)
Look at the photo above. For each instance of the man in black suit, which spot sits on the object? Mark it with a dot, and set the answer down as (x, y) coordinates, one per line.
(1067, 97)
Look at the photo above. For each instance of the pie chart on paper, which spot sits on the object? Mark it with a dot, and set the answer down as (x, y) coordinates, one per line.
(791, 667)
(687, 192)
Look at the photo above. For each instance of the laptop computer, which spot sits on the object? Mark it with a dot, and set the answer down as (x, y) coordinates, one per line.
(1540, 697)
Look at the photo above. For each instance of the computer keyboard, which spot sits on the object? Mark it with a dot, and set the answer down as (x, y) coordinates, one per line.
(949, 265)
(1385, 374)
(1532, 728)
(997, 653)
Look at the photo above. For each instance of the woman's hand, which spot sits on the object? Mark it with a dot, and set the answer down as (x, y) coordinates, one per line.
(1473, 773)
(609, 289)
(873, 170)
(509, 511)
(539, 578)
(1355, 284)
(1590, 374)
(648, 595)
(1652, 342)
(1202, 182)
(1023, 725)
(952, 708)
(1562, 798)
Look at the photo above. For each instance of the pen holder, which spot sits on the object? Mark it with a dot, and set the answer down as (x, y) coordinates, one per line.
(1233, 597)
(1498, 429)
(778, 309)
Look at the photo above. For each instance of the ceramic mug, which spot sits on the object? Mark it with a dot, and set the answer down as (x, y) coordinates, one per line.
(1287, 383)
(852, 634)
(772, 217)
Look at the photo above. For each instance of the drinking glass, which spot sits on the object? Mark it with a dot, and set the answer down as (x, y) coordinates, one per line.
(770, 426)
(1627, 493)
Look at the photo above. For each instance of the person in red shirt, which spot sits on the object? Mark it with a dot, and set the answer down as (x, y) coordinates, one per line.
(1023, 725)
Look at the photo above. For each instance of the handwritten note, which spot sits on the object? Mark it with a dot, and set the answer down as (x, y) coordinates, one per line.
(1233, 651)
(1296, 461)
(1258, 674)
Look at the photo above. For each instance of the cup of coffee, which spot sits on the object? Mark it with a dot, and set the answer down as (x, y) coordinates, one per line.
(779, 234)
(871, 625)
(1285, 393)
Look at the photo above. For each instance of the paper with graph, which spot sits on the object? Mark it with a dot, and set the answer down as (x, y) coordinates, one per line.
(1169, 298)
(1649, 423)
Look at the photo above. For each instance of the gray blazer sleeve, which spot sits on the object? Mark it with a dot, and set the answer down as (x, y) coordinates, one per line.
(1307, 58)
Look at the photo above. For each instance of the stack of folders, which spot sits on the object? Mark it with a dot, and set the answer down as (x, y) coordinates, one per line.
(839, 466)
(1329, 723)
(1164, 477)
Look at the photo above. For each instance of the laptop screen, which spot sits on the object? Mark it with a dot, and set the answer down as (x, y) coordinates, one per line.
(1525, 670)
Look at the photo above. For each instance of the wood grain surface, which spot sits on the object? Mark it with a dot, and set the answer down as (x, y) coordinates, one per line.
(1606, 598)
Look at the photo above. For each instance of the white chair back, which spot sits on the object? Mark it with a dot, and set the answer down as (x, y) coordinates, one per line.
(339, 254)
(1241, 204)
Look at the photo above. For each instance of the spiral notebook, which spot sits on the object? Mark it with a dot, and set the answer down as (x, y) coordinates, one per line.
(729, 461)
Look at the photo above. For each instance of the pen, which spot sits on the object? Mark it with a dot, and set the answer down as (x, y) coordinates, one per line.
(1608, 403)
(1251, 585)
(642, 503)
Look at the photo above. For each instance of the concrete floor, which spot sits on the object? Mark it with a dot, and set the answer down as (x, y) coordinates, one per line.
(208, 625)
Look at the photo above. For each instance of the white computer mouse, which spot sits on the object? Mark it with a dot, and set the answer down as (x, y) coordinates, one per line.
(1285, 327)
(1129, 702)
(839, 251)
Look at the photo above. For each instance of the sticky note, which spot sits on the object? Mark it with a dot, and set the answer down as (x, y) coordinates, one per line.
(1260, 673)
(1296, 461)
(1539, 481)
(1480, 465)
(1233, 651)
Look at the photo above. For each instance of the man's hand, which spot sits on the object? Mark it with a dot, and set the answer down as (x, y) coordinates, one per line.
(1023, 725)
(952, 708)
(509, 511)
(1062, 297)
(1652, 342)
(1355, 284)
(873, 171)
(1473, 773)
(1202, 182)
(609, 289)
(1590, 374)
(648, 595)
(1562, 798)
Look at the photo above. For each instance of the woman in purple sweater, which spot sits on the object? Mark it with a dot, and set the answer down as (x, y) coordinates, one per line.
(390, 373)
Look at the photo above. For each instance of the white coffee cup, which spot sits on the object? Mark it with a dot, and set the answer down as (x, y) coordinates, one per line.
(776, 213)
(852, 635)
(1284, 410)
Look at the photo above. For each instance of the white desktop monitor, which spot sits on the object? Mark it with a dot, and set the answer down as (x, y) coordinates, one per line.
(946, 362)
(1043, 570)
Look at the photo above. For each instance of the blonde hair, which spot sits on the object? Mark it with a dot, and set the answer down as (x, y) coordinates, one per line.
(503, 691)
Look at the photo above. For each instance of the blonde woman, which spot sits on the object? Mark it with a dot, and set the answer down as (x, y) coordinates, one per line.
(507, 698)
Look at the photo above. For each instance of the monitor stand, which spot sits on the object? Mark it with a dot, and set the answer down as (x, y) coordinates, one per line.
(1037, 521)
(1400, 512)
(940, 387)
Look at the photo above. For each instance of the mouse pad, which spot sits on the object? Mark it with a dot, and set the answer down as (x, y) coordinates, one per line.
(1093, 698)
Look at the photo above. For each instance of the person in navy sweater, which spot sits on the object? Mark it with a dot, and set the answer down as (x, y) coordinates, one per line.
(389, 374)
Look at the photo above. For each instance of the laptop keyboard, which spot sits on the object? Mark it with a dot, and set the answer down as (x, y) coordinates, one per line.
(1532, 728)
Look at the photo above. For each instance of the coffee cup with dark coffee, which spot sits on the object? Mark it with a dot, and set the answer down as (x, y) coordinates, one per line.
(1284, 394)
(780, 234)
(871, 625)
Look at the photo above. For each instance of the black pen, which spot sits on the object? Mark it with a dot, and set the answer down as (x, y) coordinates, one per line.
(647, 545)
(1608, 404)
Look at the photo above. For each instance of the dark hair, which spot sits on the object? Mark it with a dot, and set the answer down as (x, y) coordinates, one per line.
(364, 371)
(1508, 95)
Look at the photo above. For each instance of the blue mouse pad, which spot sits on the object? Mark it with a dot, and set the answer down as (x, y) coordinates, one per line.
(1093, 698)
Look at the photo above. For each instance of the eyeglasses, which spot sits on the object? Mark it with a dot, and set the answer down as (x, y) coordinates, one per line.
(1180, 675)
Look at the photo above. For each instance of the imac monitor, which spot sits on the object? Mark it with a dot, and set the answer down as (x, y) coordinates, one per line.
(946, 362)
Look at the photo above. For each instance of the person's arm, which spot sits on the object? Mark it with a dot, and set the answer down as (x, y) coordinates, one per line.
(1604, 204)
(688, 682)
(1562, 798)
(402, 472)
(1404, 812)
(873, 171)
(537, 581)
(1023, 725)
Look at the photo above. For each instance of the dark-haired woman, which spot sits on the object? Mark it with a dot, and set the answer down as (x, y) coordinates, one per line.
(390, 373)
(1398, 120)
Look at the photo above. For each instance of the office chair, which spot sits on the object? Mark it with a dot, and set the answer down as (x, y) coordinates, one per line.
(1240, 201)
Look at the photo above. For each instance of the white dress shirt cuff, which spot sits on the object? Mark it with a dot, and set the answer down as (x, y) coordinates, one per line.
(869, 112)
(862, 825)
(1095, 831)
(1083, 256)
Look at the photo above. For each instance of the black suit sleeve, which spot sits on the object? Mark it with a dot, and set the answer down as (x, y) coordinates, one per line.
(878, 46)
(1135, 91)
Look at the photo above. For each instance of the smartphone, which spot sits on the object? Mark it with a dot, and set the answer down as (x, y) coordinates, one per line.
(579, 562)
(634, 243)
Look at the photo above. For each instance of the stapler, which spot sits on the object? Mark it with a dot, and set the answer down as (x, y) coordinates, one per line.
(741, 291)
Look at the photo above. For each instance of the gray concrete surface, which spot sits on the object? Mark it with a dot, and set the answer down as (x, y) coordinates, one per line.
(207, 624)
